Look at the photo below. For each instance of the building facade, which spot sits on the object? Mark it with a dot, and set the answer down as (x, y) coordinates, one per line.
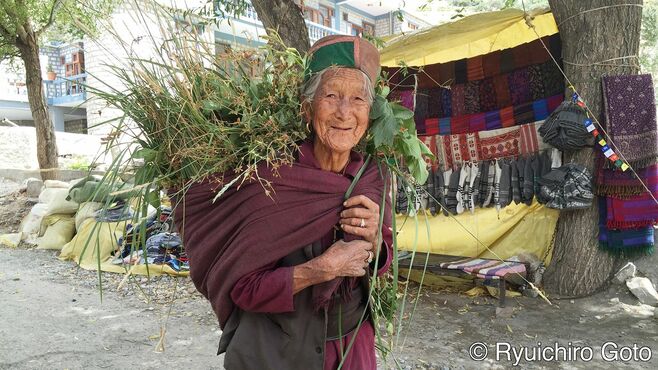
(131, 31)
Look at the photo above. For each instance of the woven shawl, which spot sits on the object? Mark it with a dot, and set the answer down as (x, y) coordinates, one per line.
(245, 229)
(630, 118)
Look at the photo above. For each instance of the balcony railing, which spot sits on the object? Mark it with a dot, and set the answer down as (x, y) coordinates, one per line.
(315, 31)
(66, 90)
(318, 31)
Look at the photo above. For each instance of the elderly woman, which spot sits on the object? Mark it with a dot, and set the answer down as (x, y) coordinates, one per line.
(286, 272)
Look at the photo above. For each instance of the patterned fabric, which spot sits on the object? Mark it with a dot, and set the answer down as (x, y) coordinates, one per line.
(506, 117)
(422, 107)
(519, 86)
(630, 115)
(471, 97)
(634, 212)
(486, 268)
(622, 184)
(567, 187)
(457, 103)
(624, 242)
(488, 95)
(499, 143)
(516, 88)
(451, 151)
(536, 82)
(565, 129)
(492, 64)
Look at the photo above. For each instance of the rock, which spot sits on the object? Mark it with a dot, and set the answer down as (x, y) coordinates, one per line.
(11, 240)
(625, 273)
(642, 288)
(33, 187)
(614, 300)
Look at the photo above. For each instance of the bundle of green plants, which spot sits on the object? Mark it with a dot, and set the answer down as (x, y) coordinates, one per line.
(192, 113)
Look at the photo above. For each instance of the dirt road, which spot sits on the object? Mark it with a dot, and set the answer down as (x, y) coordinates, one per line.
(52, 318)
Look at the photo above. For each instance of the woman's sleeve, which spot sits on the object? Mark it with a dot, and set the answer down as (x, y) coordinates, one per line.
(268, 290)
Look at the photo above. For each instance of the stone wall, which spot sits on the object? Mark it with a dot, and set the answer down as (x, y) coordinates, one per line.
(18, 149)
(76, 126)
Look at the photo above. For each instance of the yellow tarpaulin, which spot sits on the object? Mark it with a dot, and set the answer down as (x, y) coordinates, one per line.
(96, 240)
(514, 230)
(471, 36)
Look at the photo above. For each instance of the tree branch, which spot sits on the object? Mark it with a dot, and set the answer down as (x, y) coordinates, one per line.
(51, 19)
(20, 30)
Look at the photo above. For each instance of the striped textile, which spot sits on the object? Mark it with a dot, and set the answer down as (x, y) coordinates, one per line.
(486, 268)
(623, 184)
(623, 242)
(507, 117)
(631, 213)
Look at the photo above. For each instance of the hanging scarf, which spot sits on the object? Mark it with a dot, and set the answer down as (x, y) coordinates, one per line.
(630, 118)
(623, 242)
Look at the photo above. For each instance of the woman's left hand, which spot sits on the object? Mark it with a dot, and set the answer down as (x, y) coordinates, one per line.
(361, 218)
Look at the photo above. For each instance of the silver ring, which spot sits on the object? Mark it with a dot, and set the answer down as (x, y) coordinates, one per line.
(363, 223)
(370, 256)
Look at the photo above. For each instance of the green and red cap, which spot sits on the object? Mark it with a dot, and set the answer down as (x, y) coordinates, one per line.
(344, 51)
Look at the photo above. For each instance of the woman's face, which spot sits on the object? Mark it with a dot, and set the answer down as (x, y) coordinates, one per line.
(340, 110)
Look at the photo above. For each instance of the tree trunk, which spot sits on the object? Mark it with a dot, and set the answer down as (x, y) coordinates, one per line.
(578, 266)
(285, 17)
(46, 143)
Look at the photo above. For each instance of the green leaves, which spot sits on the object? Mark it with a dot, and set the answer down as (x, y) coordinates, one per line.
(384, 123)
(393, 133)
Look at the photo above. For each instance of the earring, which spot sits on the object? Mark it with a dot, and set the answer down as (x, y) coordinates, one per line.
(308, 126)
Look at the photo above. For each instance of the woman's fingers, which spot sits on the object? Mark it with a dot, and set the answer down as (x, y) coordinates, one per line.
(361, 200)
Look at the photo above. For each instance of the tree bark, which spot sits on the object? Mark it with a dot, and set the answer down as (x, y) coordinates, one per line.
(578, 266)
(285, 17)
(46, 143)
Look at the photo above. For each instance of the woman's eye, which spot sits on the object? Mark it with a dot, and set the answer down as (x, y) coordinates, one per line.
(330, 95)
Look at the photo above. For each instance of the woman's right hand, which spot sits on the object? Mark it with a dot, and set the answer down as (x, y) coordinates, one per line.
(347, 258)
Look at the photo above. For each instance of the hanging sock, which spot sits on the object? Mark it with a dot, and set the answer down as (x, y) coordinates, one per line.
(482, 187)
(451, 196)
(490, 185)
(515, 183)
(505, 184)
(473, 189)
(497, 177)
(556, 158)
(429, 190)
(463, 178)
(447, 175)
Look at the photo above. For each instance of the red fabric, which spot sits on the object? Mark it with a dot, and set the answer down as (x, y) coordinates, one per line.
(474, 68)
(246, 230)
(507, 116)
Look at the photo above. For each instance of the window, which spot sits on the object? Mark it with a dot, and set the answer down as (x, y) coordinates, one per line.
(369, 29)
(412, 26)
(356, 30)
(346, 17)
(325, 15)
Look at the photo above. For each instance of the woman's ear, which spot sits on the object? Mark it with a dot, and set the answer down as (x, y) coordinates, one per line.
(307, 110)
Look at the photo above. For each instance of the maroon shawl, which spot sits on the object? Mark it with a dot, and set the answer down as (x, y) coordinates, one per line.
(245, 229)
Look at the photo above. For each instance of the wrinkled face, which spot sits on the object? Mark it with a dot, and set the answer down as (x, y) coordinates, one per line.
(340, 110)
